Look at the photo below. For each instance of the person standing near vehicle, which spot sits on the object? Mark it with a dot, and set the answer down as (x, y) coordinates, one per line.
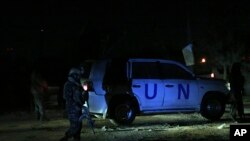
(236, 80)
(72, 94)
(39, 89)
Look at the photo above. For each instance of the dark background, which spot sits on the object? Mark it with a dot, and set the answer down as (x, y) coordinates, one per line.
(54, 35)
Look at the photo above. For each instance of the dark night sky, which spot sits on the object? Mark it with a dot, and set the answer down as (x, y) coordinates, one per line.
(72, 28)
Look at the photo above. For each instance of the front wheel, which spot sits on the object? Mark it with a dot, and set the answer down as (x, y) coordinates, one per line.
(124, 113)
(212, 107)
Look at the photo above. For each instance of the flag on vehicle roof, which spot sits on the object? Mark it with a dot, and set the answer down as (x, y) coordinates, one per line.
(188, 54)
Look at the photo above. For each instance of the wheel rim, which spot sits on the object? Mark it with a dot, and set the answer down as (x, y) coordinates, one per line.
(124, 112)
(214, 107)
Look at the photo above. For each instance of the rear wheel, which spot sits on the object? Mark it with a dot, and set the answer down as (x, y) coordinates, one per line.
(124, 113)
(212, 107)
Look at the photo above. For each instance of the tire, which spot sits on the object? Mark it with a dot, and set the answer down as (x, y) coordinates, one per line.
(212, 107)
(124, 113)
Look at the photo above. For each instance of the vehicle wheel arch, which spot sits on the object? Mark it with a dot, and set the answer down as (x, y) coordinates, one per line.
(217, 94)
(119, 98)
(213, 96)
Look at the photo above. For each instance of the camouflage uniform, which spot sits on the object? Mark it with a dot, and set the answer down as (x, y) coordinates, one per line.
(74, 101)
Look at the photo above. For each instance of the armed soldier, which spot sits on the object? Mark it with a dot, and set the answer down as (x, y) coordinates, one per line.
(74, 101)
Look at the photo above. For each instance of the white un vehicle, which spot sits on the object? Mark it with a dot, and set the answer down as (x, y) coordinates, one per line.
(124, 88)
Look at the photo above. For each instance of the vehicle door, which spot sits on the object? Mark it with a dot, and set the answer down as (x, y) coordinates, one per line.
(146, 85)
(180, 87)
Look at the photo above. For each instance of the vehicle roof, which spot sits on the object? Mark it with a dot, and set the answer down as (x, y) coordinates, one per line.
(143, 59)
(148, 60)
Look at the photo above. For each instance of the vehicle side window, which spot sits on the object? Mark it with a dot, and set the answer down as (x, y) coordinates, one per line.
(172, 71)
(145, 70)
(115, 73)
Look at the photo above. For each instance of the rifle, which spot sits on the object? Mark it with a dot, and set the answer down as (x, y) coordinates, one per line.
(86, 114)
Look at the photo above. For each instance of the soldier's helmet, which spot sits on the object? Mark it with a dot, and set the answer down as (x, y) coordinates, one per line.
(75, 73)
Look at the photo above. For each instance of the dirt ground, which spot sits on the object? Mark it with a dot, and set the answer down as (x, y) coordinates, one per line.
(23, 126)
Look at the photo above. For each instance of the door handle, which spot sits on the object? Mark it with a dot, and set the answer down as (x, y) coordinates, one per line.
(169, 86)
(136, 86)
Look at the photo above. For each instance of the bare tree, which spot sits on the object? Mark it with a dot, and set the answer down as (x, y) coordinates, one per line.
(221, 51)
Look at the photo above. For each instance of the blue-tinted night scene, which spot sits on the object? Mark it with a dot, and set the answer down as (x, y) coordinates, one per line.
(124, 70)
